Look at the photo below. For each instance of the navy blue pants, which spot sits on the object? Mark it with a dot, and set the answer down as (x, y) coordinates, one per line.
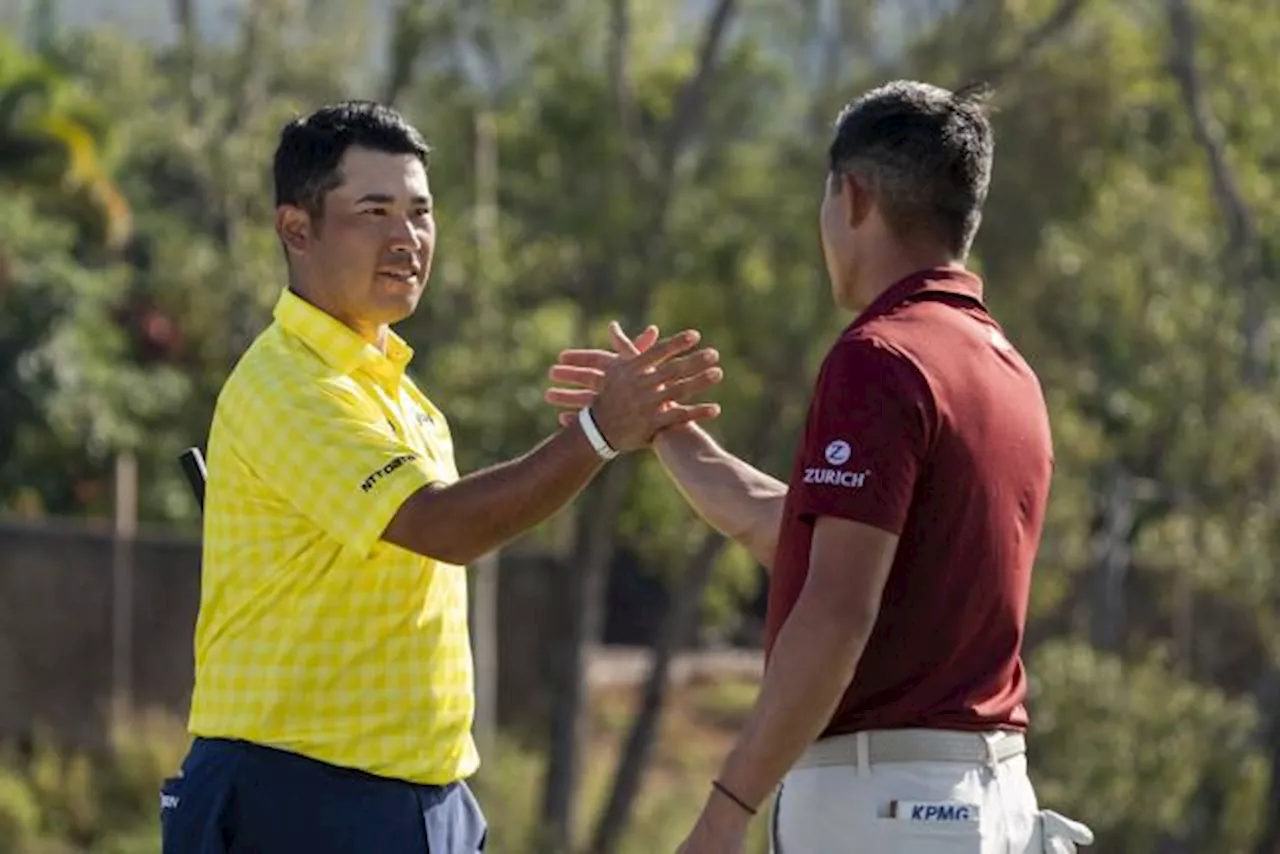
(233, 797)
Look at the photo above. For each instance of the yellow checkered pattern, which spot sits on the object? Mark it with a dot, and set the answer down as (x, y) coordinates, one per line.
(315, 636)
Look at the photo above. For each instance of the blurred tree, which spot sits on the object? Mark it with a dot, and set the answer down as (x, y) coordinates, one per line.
(70, 392)
(51, 144)
(1148, 724)
(657, 165)
(1102, 224)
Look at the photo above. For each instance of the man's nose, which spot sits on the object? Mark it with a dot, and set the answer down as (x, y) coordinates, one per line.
(404, 237)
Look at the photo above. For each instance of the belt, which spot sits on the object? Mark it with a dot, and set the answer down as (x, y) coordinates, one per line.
(915, 745)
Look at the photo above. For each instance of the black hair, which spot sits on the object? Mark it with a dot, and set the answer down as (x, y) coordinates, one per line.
(310, 150)
(926, 154)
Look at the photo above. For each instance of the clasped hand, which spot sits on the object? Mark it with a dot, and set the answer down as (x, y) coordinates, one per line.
(640, 388)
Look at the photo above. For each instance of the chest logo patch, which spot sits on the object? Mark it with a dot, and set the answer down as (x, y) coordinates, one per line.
(838, 452)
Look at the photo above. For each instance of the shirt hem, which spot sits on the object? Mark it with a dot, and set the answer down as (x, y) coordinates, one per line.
(811, 509)
(903, 723)
(464, 770)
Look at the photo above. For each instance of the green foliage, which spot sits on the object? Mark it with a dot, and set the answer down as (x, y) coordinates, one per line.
(51, 138)
(1104, 248)
(1153, 741)
(63, 802)
(72, 391)
(726, 700)
(19, 811)
(55, 800)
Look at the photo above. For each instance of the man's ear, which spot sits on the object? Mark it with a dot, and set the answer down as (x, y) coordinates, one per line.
(857, 198)
(294, 226)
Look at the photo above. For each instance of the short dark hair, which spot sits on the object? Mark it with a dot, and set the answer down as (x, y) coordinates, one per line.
(926, 153)
(311, 148)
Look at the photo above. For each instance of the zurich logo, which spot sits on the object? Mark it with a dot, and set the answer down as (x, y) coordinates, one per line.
(838, 452)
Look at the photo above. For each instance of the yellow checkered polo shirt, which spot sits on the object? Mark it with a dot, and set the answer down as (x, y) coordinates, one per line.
(314, 635)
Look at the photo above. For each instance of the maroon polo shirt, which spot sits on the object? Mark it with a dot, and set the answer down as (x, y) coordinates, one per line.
(925, 422)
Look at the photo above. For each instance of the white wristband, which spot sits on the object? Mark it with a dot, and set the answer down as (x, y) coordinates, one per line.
(594, 436)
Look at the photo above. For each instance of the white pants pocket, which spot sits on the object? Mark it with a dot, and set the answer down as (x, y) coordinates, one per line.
(1062, 835)
(904, 837)
(930, 828)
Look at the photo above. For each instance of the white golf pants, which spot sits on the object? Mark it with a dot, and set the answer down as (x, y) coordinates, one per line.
(868, 793)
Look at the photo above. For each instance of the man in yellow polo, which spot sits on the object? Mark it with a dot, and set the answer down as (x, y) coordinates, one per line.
(333, 698)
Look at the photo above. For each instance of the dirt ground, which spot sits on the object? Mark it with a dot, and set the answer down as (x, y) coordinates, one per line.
(709, 698)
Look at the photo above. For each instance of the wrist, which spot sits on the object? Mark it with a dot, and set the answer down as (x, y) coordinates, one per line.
(724, 818)
(671, 437)
(595, 436)
(730, 806)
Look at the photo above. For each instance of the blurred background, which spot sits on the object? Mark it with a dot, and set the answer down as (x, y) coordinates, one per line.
(648, 161)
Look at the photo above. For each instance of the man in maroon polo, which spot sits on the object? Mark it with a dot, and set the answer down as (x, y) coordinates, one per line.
(927, 426)
(891, 715)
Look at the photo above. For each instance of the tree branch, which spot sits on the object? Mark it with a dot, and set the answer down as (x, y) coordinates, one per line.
(671, 636)
(406, 33)
(1182, 64)
(259, 20)
(1242, 250)
(189, 36)
(680, 621)
(618, 59)
(691, 101)
(594, 548)
(1057, 23)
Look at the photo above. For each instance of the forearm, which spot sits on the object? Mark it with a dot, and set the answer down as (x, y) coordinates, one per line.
(735, 498)
(460, 522)
(812, 664)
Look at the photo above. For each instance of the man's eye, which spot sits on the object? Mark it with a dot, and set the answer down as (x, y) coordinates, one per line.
(376, 211)
(422, 213)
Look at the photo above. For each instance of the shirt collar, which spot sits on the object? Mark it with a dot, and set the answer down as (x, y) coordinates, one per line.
(937, 280)
(337, 344)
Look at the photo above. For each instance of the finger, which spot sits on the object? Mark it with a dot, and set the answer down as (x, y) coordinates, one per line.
(684, 366)
(621, 342)
(667, 348)
(570, 398)
(647, 338)
(677, 415)
(689, 386)
(591, 378)
(567, 418)
(598, 359)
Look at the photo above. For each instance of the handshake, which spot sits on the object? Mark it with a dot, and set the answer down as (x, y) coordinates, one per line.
(639, 389)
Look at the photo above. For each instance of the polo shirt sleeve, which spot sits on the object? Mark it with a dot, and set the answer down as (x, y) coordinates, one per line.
(866, 437)
(331, 453)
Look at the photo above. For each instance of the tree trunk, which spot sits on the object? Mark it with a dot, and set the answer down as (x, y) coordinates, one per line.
(1269, 842)
(246, 84)
(1242, 255)
(1112, 553)
(1244, 260)
(484, 572)
(184, 14)
(1053, 26)
(407, 26)
(43, 24)
(617, 56)
(581, 605)
(677, 625)
(584, 583)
